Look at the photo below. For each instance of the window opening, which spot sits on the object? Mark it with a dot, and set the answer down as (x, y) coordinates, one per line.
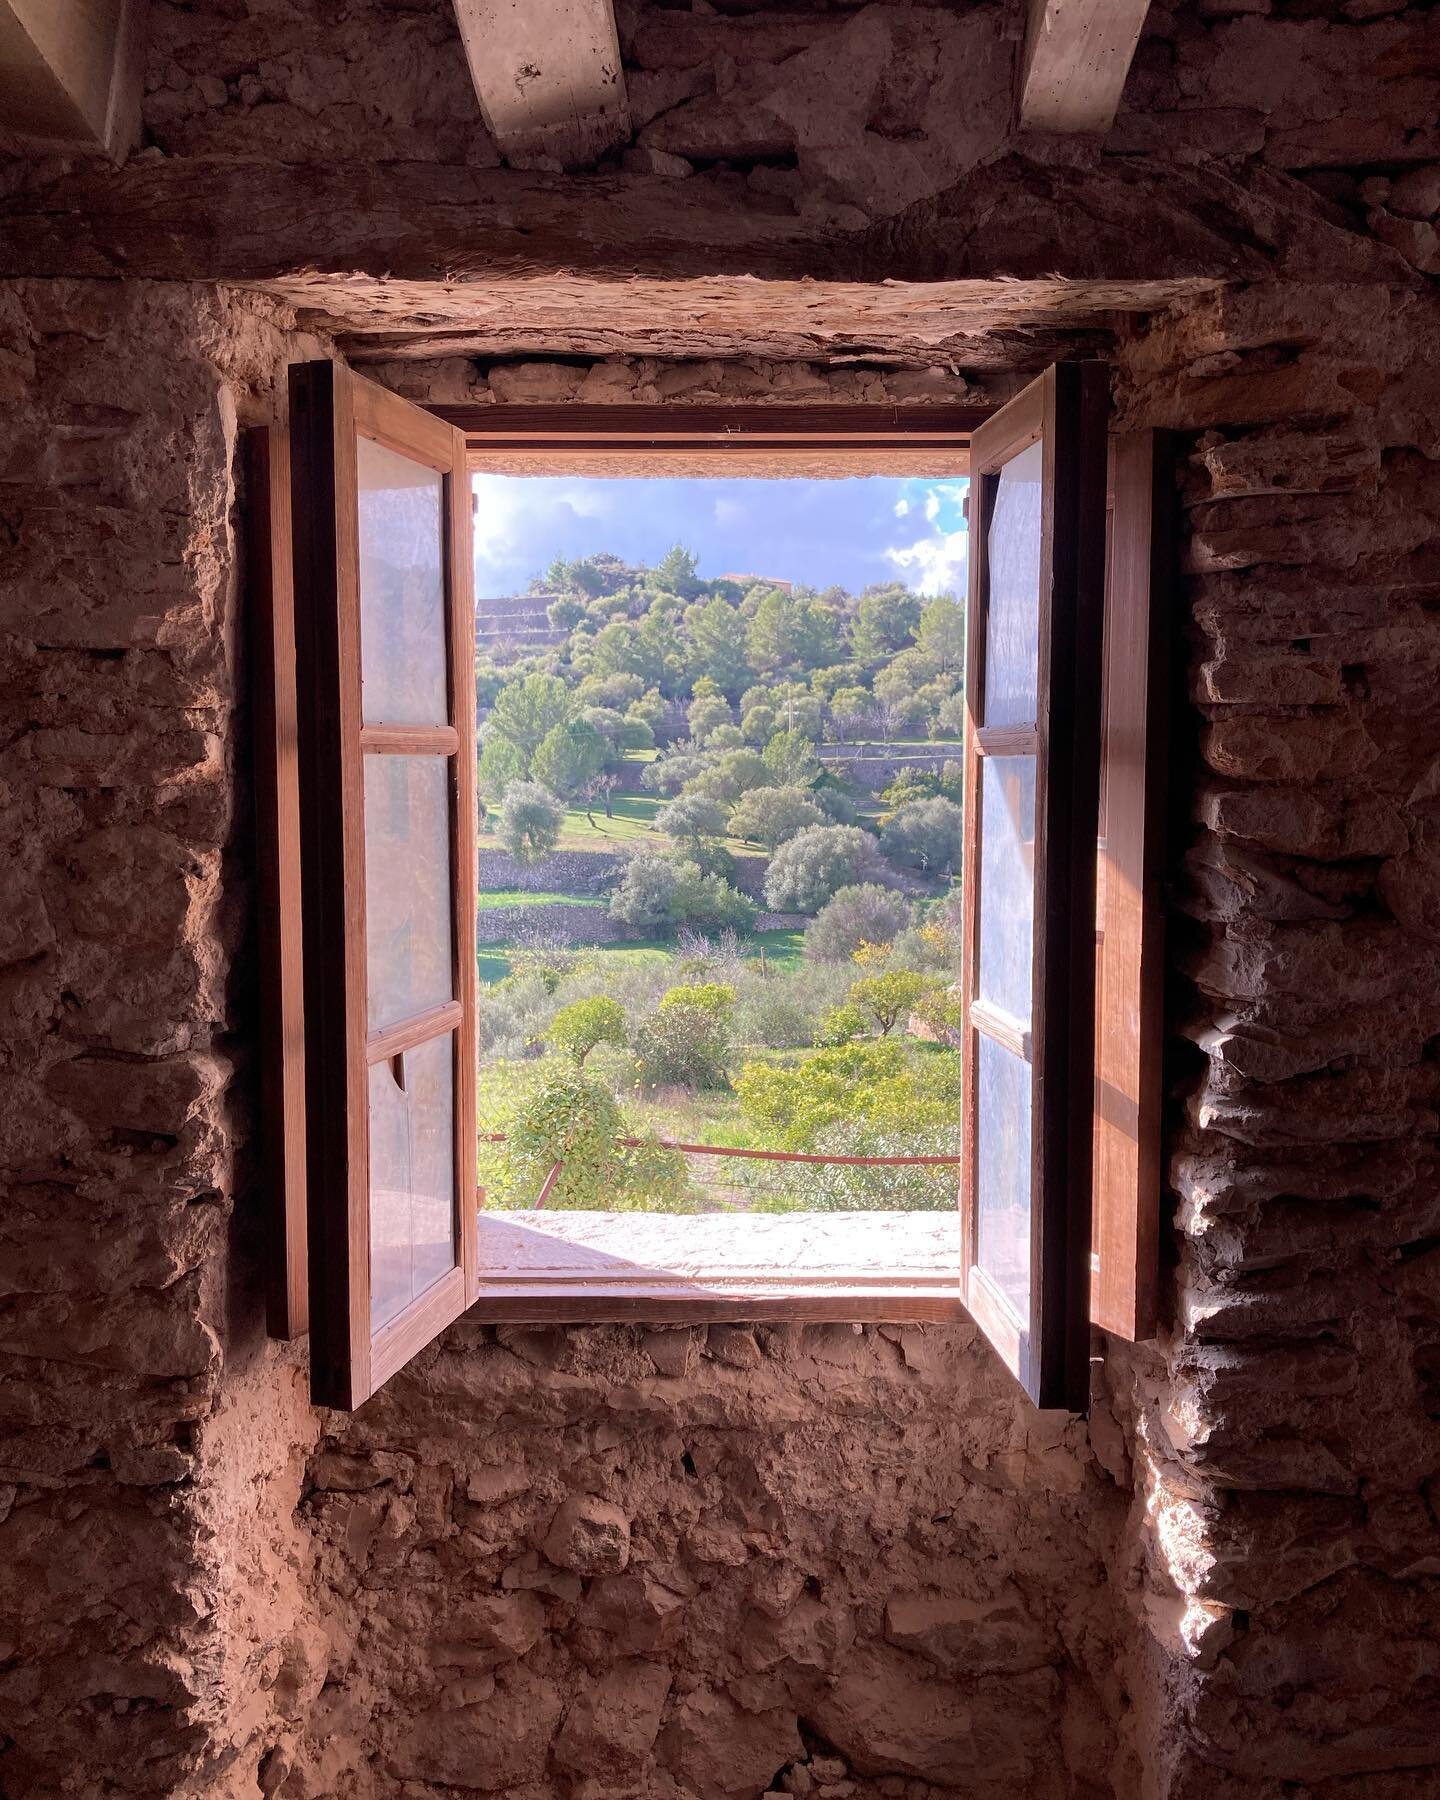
(719, 932)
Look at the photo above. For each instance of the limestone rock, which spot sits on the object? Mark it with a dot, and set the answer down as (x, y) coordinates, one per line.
(589, 1536)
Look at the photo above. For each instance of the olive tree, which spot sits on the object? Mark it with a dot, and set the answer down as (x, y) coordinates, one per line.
(927, 834)
(805, 872)
(770, 815)
(867, 914)
(529, 820)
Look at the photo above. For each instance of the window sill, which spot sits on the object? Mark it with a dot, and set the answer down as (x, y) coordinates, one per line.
(600, 1267)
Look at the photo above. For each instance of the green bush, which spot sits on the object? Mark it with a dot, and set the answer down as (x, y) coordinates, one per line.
(840, 1025)
(681, 1045)
(887, 999)
(867, 914)
(569, 1120)
(811, 867)
(865, 1083)
(714, 997)
(928, 834)
(530, 820)
(579, 1027)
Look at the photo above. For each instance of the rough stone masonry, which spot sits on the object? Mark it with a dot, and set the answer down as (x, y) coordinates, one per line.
(712, 1563)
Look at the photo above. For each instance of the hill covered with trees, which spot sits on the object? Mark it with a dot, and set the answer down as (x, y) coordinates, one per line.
(764, 778)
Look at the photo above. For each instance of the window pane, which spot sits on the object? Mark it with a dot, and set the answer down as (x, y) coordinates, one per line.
(407, 885)
(1012, 627)
(1007, 882)
(412, 1175)
(1002, 1172)
(402, 589)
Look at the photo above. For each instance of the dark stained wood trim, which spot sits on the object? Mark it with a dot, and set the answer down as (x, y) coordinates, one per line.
(321, 479)
(270, 589)
(559, 1303)
(1076, 623)
(710, 427)
(460, 624)
(1129, 1010)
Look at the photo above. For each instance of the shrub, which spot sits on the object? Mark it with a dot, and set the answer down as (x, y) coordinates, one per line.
(579, 1027)
(575, 1122)
(682, 1045)
(808, 870)
(645, 898)
(510, 1017)
(840, 1025)
(770, 815)
(714, 997)
(869, 914)
(529, 821)
(891, 997)
(929, 834)
(857, 1083)
(657, 894)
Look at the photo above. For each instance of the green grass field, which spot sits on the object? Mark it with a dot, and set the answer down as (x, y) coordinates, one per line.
(497, 897)
(782, 950)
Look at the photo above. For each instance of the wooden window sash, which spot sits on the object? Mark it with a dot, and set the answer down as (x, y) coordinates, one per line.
(1065, 411)
(1130, 917)
(330, 409)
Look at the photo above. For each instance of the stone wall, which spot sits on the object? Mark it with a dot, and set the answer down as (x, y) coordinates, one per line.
(615, 1561)
(153, 1583)
(1285, 1430)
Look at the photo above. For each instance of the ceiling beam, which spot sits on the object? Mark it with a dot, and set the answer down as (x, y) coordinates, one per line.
(1076, 57)
(548, 77)
(70, 72)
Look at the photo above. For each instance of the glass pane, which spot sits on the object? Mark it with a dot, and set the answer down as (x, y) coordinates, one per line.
(412, 1175)
(402, 589)
(1002, 1172)
(1007, 882)
(1012, 626)
(407, 885)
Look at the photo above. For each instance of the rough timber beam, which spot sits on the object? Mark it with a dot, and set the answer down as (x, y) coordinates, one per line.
(1076, 57)
(548, 77)
(70, 72)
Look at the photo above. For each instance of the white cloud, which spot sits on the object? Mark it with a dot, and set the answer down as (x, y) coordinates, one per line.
(934, 565)
(902, 507)
(932, 506)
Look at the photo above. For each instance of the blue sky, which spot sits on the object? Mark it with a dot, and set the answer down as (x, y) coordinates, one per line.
(850, 532)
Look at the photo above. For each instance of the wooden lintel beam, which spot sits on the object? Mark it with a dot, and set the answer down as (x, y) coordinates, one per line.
(70, 72)
(1076, 57)
(548, 77)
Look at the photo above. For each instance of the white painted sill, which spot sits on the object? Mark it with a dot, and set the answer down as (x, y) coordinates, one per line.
(604, 1266)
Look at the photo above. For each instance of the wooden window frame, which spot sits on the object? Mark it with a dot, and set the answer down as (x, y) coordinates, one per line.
(270, 585)
(836, 440)
(1064, 410)
(330, 408)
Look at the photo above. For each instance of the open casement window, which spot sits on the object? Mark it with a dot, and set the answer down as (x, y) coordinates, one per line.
(1032, 741)
(385, 645)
